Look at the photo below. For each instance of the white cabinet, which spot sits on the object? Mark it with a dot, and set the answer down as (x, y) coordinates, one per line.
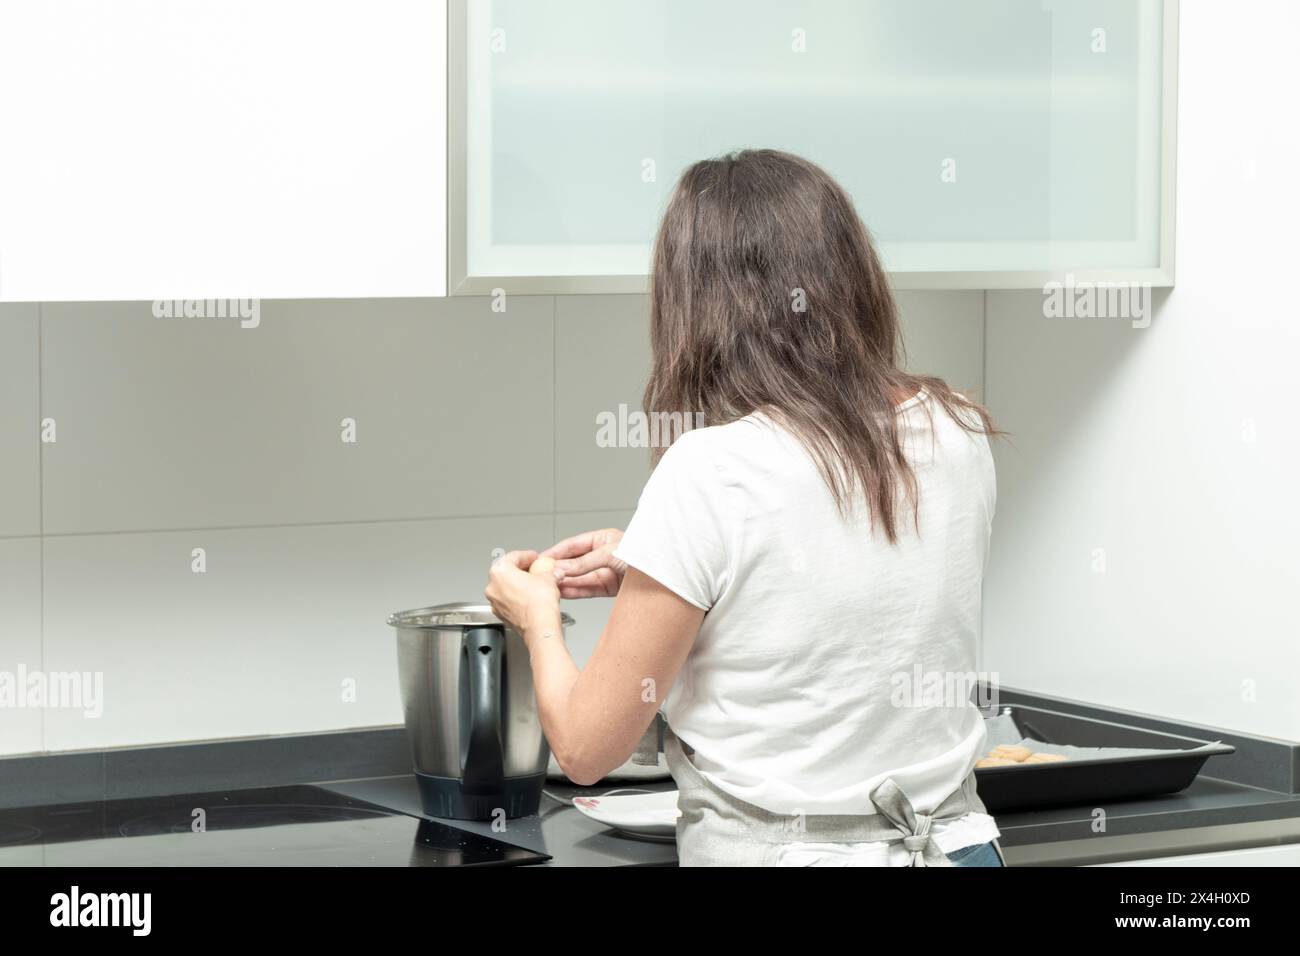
(987, 143)
(157, 149)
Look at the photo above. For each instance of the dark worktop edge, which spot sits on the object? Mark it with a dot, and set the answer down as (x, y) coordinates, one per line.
(201, 766)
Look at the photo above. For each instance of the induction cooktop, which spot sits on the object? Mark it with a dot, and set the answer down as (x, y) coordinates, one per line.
(278, 826)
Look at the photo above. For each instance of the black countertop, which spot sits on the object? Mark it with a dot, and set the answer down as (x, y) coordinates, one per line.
(378, 822)
(274, 826)
(558, 830)
(1246, 799)
(1210, 814)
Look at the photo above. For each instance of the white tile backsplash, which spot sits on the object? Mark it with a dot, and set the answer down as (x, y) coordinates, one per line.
(944, 335)
(195, 423)
(20, 640)
(602, 361)
(20, 450)
(264, 640)
(475, 430)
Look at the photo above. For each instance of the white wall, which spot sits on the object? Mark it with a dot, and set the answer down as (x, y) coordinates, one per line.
(475, 430)
(1173, 449)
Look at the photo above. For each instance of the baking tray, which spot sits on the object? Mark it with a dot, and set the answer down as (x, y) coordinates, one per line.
(1091, 780)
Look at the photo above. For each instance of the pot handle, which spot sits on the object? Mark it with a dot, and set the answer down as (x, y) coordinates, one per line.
(484, 761)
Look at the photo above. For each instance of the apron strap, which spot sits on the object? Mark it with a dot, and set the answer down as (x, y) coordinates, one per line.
(894, 818)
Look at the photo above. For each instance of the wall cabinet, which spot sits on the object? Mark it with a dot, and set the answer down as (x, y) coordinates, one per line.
(164, 149)
(181, 149)
(987, 143)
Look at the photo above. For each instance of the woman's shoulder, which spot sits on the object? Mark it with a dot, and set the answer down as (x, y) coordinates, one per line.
(750, 456)
(738, 440)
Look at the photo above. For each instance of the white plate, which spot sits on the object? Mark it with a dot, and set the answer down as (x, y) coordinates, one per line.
(638, 813)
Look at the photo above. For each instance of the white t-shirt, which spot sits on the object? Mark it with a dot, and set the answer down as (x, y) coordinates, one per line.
(796, 695)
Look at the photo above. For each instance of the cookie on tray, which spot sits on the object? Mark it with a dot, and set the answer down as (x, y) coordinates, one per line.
(1012, 752)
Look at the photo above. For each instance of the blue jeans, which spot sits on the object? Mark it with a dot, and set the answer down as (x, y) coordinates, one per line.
(981, 854)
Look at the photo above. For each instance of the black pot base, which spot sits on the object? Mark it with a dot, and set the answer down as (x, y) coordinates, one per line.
(448, 797)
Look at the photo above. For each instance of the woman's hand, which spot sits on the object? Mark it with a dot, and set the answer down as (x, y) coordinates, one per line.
(529, 603)
(588, 564)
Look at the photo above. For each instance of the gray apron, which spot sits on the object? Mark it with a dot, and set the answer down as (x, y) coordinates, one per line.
(716, 829)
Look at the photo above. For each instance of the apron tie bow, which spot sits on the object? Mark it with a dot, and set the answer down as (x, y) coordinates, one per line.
(915, 844)
(893, 805)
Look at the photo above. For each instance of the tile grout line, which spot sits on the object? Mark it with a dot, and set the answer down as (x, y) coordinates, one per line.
(40, 486)
(555, 408)
(984, 396)
(555, 415)
(984, 347)
(320, 524)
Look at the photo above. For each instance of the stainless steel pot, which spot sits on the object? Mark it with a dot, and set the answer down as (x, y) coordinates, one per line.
(471, 714)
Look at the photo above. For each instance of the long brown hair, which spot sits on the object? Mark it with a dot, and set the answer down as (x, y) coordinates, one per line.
(767, 295)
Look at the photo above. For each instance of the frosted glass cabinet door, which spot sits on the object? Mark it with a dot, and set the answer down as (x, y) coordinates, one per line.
(987, 143)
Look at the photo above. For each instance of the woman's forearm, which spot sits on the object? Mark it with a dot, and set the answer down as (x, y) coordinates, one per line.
(554, 676)
(593, 718)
